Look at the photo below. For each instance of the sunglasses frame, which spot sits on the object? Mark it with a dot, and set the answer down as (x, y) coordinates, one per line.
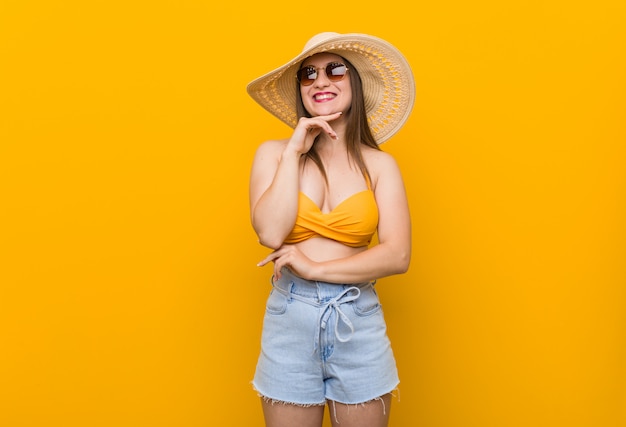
(332, 77)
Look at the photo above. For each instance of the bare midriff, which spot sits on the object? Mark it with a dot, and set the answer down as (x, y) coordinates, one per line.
(320, 249)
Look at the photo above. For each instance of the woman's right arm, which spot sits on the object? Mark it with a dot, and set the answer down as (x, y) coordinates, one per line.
(274, 180)
(274, 186)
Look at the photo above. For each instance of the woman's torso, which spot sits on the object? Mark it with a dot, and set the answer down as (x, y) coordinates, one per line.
(341, 204)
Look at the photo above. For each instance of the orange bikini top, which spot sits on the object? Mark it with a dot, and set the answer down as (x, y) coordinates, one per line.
(352, 222)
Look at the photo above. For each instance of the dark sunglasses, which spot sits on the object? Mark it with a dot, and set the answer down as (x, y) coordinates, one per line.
(335, 71)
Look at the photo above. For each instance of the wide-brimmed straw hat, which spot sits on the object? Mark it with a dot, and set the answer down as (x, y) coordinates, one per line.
(388, 85)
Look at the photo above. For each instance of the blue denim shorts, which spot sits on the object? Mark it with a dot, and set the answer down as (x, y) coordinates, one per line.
(324, 341)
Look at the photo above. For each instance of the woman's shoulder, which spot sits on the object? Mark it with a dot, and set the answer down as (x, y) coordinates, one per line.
(380, 165)
(273, 144)
(272, 147)
(376, 159)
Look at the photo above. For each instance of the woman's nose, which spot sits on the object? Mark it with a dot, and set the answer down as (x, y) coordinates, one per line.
(322, 79)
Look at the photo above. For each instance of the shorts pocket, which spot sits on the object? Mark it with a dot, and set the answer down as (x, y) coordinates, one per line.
(276, 303)
(367, 303)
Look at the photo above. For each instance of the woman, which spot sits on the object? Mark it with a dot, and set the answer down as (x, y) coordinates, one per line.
(317, 199)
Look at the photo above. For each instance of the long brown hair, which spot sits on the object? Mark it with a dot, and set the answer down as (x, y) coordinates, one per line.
(357, 128)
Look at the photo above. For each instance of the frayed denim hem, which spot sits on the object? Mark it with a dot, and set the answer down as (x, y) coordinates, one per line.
(394, 393)
(273, 401)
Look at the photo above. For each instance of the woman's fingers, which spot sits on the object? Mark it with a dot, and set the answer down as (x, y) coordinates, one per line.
(282, 257)
(322, 122)
(291, 257)
(308, 128)
(271, 257)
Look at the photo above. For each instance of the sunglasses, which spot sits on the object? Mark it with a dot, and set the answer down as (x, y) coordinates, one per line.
(335, 71)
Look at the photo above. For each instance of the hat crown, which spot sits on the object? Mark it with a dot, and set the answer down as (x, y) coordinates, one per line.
(318, 39)
(386, 78)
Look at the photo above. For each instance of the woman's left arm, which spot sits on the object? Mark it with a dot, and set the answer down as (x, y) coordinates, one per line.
(390, 256)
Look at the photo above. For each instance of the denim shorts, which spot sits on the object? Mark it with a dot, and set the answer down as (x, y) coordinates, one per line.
(323, 341)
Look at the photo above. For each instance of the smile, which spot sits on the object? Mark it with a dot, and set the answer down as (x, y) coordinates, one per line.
(323, 96)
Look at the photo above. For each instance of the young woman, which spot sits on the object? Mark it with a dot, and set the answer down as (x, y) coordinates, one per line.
(317, 199)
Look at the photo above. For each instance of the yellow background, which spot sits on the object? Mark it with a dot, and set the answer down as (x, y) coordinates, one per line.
(129, 294)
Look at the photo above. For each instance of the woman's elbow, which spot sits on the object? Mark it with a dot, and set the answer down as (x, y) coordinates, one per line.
(270, 241)
(271, 245)
(273, 234)
(402, 267)
(403, 259)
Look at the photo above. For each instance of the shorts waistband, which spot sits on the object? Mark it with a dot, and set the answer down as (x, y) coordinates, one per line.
(327, 296)
(312, 289)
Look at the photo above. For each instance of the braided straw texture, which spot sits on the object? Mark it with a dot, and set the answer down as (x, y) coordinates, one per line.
(388, 85)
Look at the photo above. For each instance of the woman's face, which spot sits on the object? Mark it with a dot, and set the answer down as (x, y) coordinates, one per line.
(325, 96)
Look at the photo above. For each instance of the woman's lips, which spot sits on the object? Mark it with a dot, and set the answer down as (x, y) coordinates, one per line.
(324, 96)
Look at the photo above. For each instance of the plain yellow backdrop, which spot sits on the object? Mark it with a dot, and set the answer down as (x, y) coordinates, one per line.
(129, 292)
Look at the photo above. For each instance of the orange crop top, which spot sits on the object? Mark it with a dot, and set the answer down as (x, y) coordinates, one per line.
(353, 222)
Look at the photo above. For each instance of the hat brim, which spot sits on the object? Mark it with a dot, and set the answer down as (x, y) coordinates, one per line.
(388, 84)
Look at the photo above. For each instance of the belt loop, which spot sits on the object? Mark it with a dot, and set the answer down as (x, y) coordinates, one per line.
(289, 289)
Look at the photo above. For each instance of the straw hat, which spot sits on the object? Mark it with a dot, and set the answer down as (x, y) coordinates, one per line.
(388, 85)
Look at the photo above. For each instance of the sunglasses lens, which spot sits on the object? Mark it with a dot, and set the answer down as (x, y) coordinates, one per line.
(307, 75)
(335, 71)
